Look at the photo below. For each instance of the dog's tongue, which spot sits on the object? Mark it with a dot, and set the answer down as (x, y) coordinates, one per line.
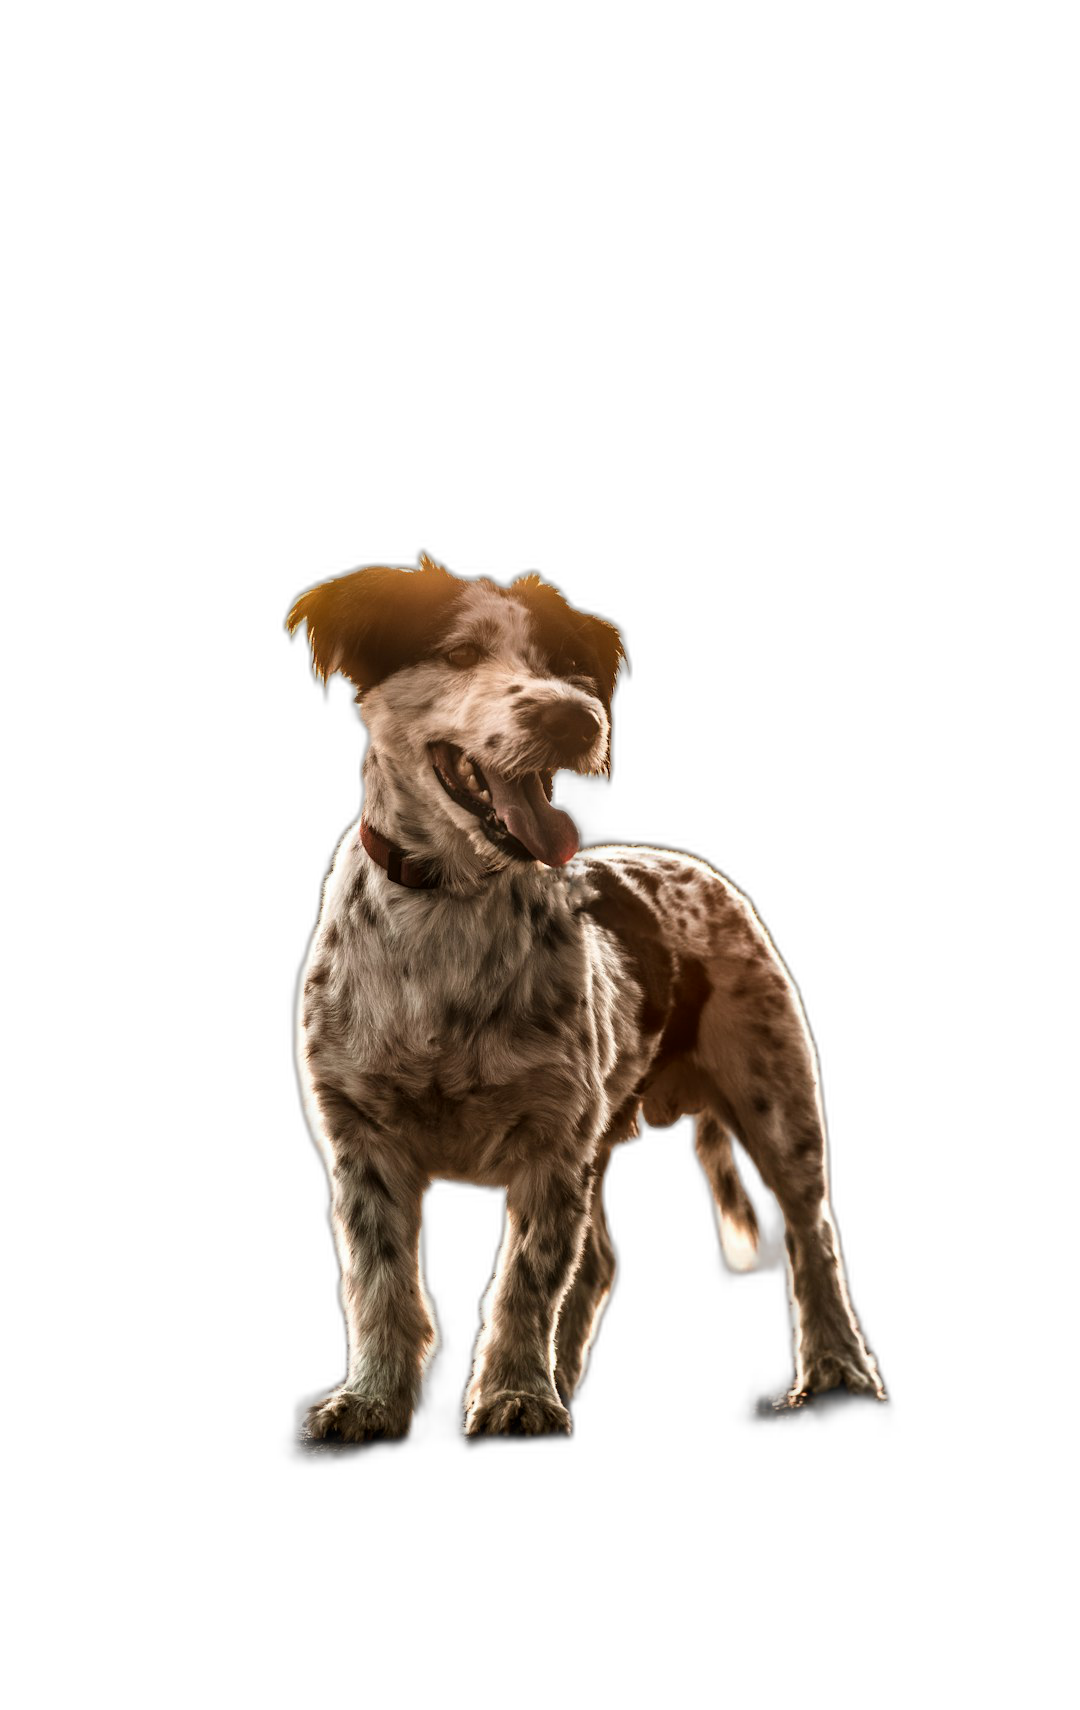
(521, 804)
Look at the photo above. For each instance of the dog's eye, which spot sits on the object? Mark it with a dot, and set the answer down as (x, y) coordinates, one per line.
(574, 670)
(462, 657)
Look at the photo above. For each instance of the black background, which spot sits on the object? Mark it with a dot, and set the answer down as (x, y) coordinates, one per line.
(769, 725)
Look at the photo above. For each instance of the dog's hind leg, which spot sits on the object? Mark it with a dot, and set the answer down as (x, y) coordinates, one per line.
(583, 1304)
(788, 1148)
(763, 1068)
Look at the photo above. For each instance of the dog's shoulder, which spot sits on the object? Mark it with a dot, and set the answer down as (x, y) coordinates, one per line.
(666, 918)
(639, 891)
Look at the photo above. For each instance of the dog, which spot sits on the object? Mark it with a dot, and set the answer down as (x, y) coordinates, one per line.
(485, 1003)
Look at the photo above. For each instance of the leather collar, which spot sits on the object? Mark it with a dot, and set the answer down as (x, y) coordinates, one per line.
(403, 869)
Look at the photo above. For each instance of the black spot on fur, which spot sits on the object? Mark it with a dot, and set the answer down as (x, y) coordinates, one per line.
(490, 962)
(343, 1117)
(411, 830)
(374, 1182)
(553, 933)
(545, 1261)
(647, 879)
(362, 908)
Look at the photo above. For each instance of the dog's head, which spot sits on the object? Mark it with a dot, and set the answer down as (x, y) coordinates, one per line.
(474, 695)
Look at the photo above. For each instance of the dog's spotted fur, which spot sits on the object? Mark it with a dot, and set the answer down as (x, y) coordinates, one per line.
(508, 1025)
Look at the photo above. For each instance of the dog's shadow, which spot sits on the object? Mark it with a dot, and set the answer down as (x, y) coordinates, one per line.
(440, 1423)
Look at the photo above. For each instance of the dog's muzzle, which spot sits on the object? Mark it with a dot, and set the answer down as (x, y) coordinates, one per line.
(515, 814)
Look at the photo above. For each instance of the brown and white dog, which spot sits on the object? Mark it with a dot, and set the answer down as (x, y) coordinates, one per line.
(482, 1002)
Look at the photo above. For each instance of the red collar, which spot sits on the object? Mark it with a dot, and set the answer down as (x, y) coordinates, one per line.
(401, 868)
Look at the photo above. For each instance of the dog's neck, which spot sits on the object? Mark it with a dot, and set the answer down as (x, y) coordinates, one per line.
(395, 807)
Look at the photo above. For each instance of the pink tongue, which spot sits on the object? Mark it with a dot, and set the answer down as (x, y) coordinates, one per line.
(521, 804)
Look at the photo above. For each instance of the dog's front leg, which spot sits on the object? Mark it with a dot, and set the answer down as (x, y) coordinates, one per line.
(513, 1385)
(376, 1216)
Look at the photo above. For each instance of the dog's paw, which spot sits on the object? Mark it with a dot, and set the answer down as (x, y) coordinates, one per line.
(842, 1369)
(511, 1413)
(348, 1417)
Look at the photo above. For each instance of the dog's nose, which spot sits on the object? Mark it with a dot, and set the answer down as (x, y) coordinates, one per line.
(572, 727)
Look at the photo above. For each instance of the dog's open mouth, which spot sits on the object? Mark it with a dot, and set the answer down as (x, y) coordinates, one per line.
(514, 813)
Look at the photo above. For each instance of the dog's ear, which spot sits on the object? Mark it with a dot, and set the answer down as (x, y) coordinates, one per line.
(376, 621)
(605, 643)
(604, 648)
(575, 643)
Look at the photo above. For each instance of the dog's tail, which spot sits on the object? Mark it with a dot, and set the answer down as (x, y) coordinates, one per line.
(735, 1214)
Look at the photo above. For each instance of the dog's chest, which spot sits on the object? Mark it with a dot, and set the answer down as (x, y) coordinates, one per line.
(459, 1022)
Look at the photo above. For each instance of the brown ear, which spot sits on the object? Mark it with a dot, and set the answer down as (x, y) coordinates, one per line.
(376, 621)
(567, 633)
(606, 644)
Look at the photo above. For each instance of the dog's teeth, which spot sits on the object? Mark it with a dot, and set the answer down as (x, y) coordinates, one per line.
(485, 795)
(464, 766)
